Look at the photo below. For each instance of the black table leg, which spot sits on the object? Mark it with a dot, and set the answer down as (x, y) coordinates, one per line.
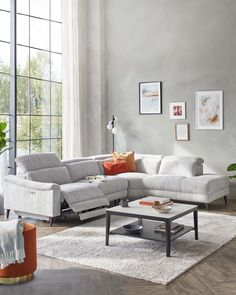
(195, 218)
(107, 227)
(168, 238)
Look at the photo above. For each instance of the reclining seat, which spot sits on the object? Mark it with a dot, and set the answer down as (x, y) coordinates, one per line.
(45, 185)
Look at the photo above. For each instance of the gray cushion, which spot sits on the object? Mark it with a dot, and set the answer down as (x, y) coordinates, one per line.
(135, 179)
(180, 166)
(38, 161)
(79, 170)
(101, 157)
(163, 182)
(59, 175)
(80, 191)
(112, 184)
(148, 164)
(204, 184)
(75, 160)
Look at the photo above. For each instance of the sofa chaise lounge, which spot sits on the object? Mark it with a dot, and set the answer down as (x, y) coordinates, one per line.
(49, 185)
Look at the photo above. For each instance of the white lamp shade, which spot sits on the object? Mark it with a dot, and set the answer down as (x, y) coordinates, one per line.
(114, 130)
(109, 125)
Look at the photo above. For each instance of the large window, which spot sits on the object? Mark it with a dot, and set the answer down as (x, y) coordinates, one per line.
(5, 60)
(38, 73)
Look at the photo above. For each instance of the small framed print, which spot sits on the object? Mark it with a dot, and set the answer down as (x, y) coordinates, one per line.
(150, 101)
(177, 111)
(209, 109)
(182, 132)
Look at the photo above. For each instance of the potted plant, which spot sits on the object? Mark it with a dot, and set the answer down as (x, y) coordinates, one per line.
(230, 168)
(3, 148)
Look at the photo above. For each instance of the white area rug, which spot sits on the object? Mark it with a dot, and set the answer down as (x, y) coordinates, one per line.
(138, 258)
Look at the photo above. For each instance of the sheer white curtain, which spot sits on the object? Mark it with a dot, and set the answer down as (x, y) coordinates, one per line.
(74, 61)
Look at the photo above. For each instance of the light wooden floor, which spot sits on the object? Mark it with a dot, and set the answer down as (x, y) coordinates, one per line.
(215, 275)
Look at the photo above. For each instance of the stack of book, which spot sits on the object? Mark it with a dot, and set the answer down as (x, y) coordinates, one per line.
(158, 203)
(175, 227)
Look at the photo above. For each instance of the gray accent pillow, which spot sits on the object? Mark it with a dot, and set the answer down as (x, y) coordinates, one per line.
(58, 175)
(79, 170)
(38, 161)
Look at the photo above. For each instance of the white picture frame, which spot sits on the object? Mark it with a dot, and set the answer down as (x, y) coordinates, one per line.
(209, 109)
(150, 98)
(178, 110)
(182, 131)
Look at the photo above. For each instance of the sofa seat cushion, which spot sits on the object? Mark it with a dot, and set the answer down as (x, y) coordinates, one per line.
(111, 184)
(204, 184)
(79, 192)
(163, 182)
(135, 180)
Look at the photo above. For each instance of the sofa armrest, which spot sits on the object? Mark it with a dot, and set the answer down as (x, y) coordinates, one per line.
(32, 198)
(42, 186)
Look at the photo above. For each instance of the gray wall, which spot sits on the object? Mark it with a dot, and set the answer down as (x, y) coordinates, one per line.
(189, 45)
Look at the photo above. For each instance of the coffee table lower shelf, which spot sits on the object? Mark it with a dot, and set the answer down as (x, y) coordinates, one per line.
(148, 231)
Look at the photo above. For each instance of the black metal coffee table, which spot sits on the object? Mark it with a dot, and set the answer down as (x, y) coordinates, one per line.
(150, 218)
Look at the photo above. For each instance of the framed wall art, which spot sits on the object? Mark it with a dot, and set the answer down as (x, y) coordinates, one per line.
(209, 109)
(150, 100)
(177, 111)
(182, 132)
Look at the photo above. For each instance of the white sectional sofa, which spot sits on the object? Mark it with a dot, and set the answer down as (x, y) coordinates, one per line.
(47, 184)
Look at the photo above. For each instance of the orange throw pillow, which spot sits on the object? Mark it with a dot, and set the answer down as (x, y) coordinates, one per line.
(125, 157)
(111, 168)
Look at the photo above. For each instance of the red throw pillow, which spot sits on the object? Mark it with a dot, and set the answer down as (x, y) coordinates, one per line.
(111, 168)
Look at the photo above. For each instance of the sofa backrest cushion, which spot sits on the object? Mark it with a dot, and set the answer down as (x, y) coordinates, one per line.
(79, 170)
(75, 160)
(101, 157)
(149, 164)
(38, 161)
(181, 166)
(58, 175)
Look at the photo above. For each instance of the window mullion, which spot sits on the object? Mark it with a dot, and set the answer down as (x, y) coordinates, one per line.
(13, 89)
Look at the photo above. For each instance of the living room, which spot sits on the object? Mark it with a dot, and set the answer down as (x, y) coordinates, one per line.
(151, 81)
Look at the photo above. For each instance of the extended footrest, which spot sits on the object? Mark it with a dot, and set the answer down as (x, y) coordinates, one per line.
(92, 213)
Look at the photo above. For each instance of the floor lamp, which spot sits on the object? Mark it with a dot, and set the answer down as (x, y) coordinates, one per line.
(111, 126)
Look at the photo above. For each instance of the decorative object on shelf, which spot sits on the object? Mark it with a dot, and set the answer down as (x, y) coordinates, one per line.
(182, 132)
(209, 109)
(111, 126)
(132, 228)
(230, 168)
(175, 227)
(124, 203)
(177, 110)
(150, 100)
